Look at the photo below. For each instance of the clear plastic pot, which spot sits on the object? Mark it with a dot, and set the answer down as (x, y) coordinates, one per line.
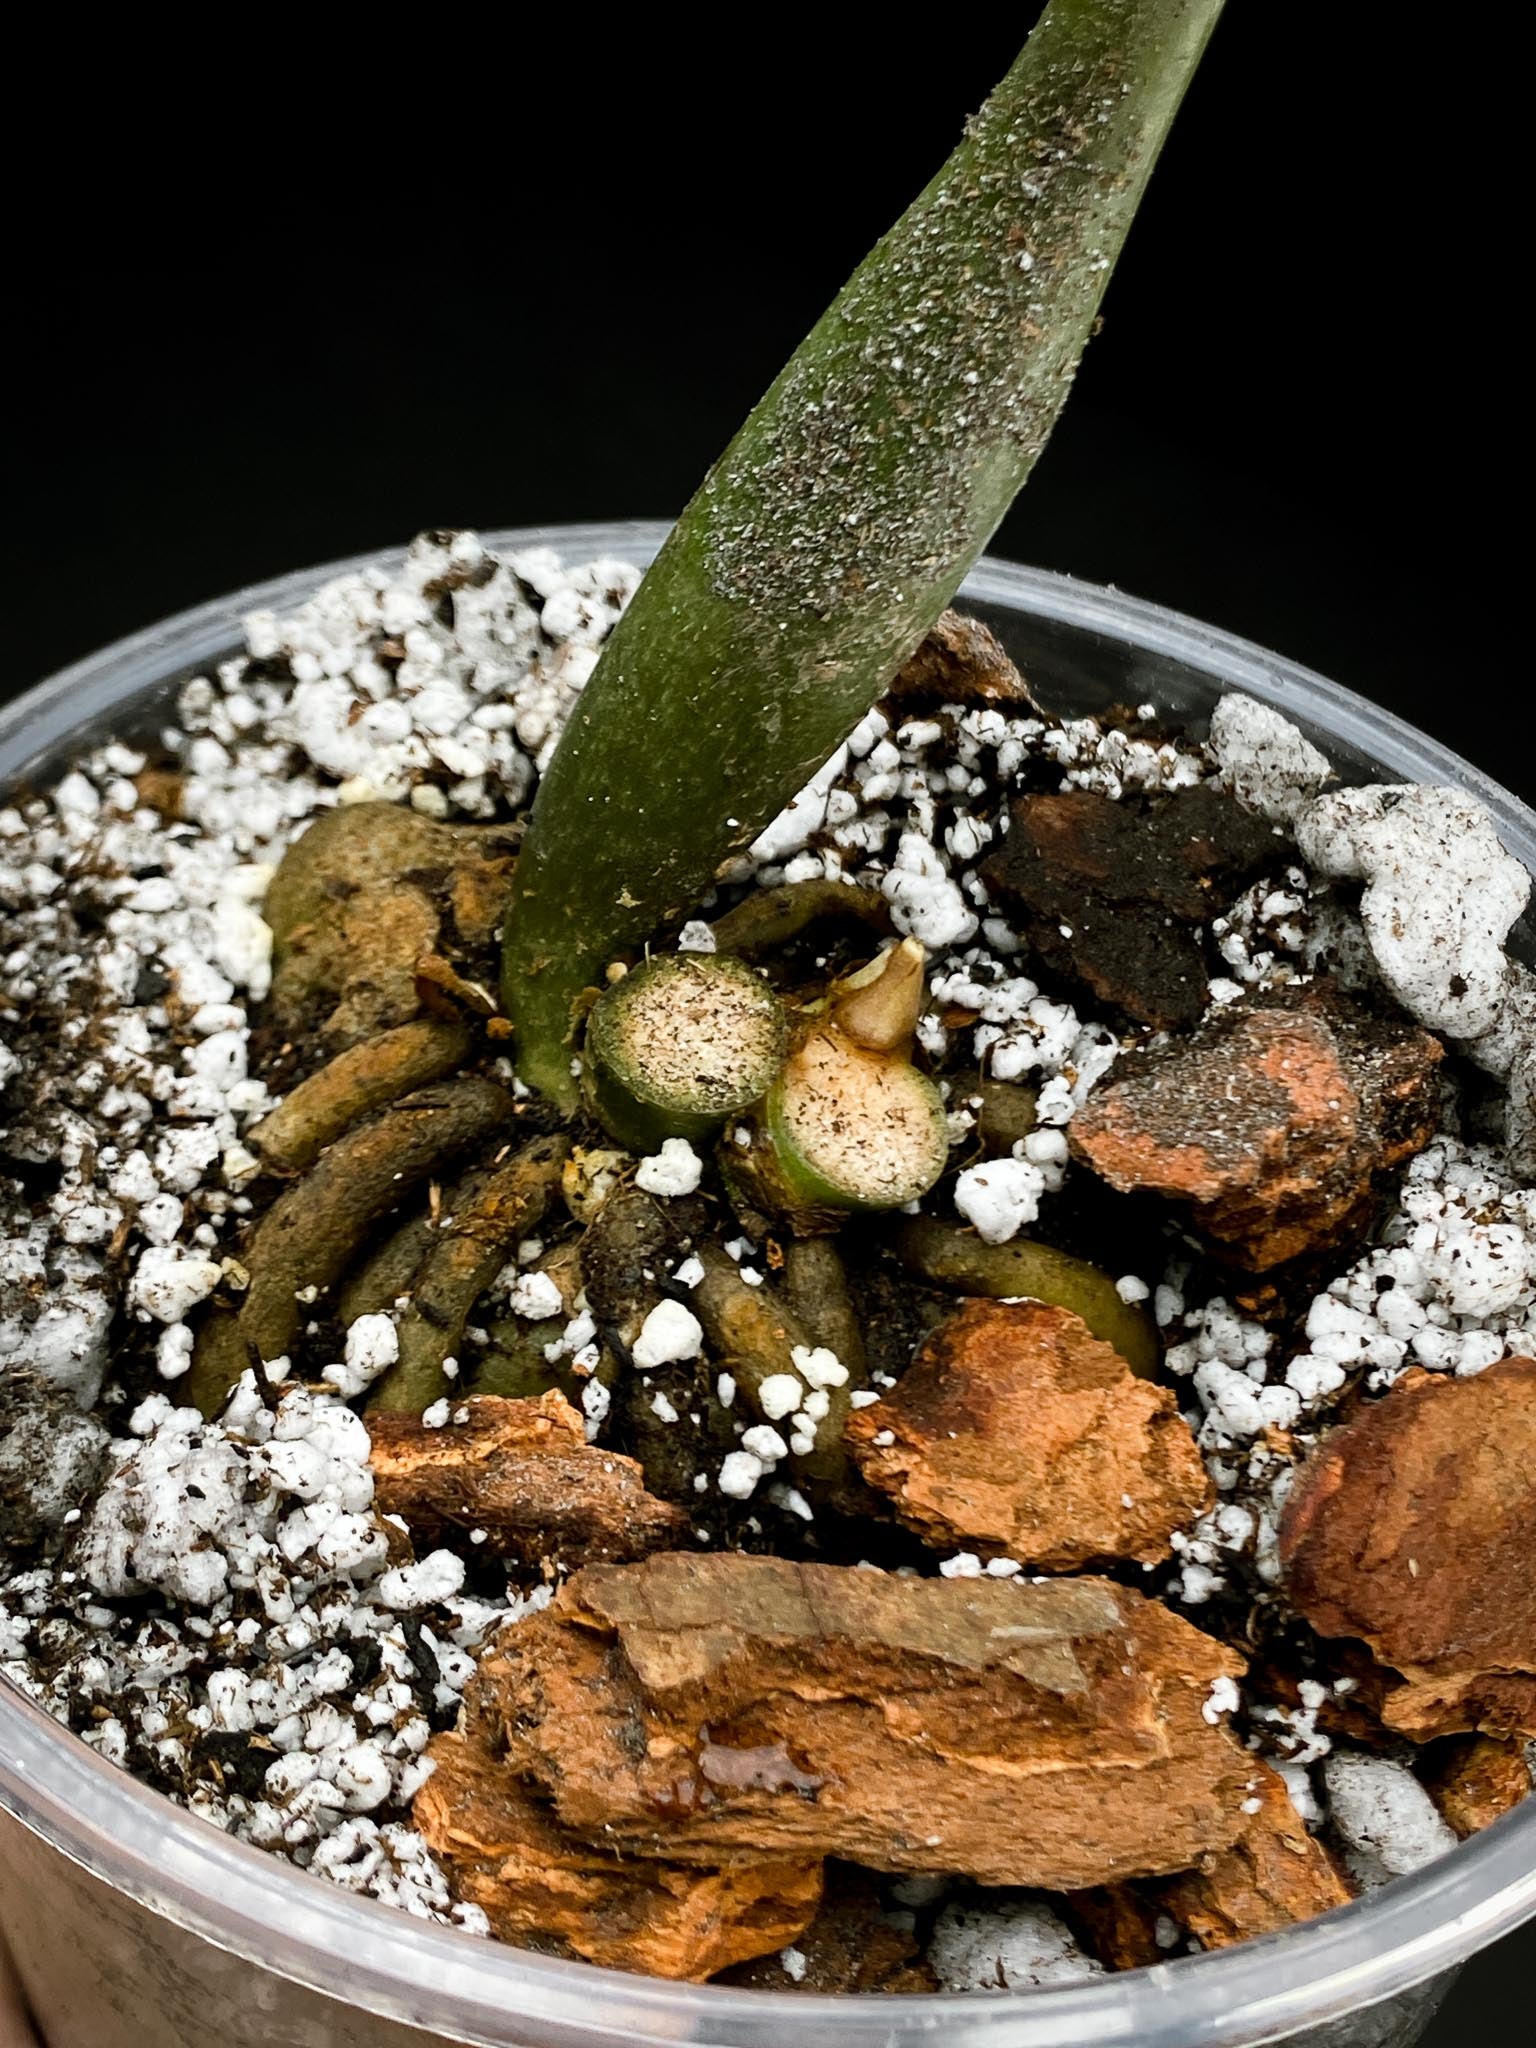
(137, 1926)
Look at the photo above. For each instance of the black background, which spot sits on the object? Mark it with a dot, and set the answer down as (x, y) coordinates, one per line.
(465, 270)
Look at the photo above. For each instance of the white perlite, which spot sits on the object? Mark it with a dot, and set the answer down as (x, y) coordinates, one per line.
(477, 700)
(1383, 1815)
(264, 1513)
(1000, 1196)
(168, 1281)
(1440, 896)
(739, 1473)
(371, 1347)
(1008, 1947)
(1265, 761)
(1451, 1286)
(669, 1333)
(675, 1170)
(535, 1297)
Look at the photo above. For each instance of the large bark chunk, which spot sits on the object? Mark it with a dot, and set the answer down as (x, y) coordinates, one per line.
(1016, 1432)
(1111, 893)
(1025, 1734)
(1414, 1528)
(543, 1887)
(1272, 1123)
(523, 1472)
(1273, 1875)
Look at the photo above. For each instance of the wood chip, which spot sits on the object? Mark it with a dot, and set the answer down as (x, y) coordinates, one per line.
(1117, 1924)
(543, 1887)
(1272, 1123)
(1016, 1433)
(961, 661)
(1272, 1876)
(524, 1473)
(1474, 1780)
(1414, 1529)
(704, 1708)
(1112, 893)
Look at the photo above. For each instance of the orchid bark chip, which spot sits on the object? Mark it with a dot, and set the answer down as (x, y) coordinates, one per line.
(1047, 1734)
(1414, 1528)
(523, 1475)
(1015, 1433)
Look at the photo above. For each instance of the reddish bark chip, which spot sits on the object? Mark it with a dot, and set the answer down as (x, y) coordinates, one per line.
(707, 1709)
(524, 1473)
(1016, 1433)
(1414, 1529)
(1474, 1780)
(1110, 893)
(1117, 1925)
(542, 1887)
(962, 662)
(1273, 1875)
(1272, 1123)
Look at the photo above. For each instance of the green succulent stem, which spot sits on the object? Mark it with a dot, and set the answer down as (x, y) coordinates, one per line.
(839, 522)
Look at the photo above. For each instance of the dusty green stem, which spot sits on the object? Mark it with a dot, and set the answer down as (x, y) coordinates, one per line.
(838, 524)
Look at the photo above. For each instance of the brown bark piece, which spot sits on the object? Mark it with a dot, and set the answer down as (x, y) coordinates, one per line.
(523, 1472)
(543, 1887)
(1272, 1876)
(703, 1708)
(1110, 893)
(161, 790)
(1414, 1529)
(1015, 1432)
(961, 661)
(1116, 1924)
(850, 1946)
(1271, 1123)
(1474, 1780)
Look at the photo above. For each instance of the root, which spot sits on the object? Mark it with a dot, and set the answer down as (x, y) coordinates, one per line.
(362, 1079)
(466, 1257)
(770, 918)
(311, 1234)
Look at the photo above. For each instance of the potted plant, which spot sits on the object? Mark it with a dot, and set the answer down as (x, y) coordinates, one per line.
(447, 1412)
